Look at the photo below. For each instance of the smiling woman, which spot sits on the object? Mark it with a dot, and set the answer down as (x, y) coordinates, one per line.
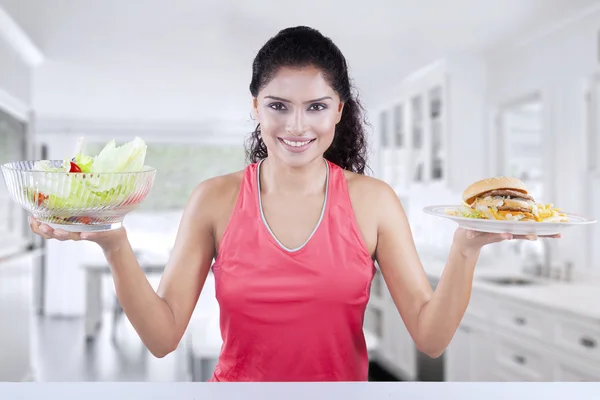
(294, 237)
(310, 107)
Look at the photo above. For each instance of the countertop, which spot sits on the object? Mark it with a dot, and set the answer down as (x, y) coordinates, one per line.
(297, 391)
(11, 247)
(579, 297)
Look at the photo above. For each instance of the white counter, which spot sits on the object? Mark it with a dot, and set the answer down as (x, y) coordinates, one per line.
(297, 391)
(579, 297)
(12, 247)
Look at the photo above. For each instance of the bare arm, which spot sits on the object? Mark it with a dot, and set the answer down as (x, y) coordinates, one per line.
(160, 318)
(430, 317)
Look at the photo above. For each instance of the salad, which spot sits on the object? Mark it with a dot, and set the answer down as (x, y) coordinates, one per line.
(540, 213)
(90, 182)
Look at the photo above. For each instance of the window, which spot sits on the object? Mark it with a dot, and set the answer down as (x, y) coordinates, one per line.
(181, 167)
(12, 148)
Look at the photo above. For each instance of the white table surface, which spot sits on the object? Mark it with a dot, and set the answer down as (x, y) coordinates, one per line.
(297, 391)
(579, 297)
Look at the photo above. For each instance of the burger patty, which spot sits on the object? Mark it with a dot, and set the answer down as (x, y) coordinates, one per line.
(515, 194)
(516, 209)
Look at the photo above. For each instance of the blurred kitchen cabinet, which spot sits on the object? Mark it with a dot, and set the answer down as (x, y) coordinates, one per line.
(426, 127)
(466, 358)
(502, 339)
(14, 143)
(396, 351)
(374, 312)
(568, 370)
(593, 169)
(458, 356)
(16, 311)
(593, 231)
(593, 125)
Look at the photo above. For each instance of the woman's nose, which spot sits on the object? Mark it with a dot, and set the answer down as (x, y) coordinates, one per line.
(296, 124)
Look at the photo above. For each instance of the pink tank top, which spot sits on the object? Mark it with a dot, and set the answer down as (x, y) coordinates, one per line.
(293, 314)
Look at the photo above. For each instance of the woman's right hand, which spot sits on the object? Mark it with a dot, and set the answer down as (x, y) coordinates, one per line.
(107, 240)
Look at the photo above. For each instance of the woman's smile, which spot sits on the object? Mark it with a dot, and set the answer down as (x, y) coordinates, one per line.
(296, 144)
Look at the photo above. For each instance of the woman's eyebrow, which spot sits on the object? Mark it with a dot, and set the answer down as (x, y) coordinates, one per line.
(288, 101)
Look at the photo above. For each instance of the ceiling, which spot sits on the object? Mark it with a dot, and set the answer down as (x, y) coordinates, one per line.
(205, 49)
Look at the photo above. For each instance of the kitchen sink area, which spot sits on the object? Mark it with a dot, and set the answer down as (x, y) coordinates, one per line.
(511, 281)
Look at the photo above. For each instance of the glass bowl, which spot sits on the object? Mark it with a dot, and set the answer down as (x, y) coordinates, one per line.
(77, 202)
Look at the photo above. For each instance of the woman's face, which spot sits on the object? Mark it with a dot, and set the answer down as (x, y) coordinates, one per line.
(297, 112)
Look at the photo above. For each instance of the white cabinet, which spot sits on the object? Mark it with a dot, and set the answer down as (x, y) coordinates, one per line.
(506, 340)
(593, 125)
(468, 355)
(510, 354)
(16, 288)
(397, 351)
(567, 369)
(412, 135)
(458, 356)
(466, 358)
(425, 124)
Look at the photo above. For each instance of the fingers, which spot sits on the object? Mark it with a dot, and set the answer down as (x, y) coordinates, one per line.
(536, 237)
(47, 232)
(64, 235)
(495, 237)
(38, 229)
(488, 237)
(530, 236)
(472, 234)
(498, 237)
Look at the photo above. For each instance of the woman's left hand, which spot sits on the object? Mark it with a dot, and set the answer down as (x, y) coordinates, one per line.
(470, 242)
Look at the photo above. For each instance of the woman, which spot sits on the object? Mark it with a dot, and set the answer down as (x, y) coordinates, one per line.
(294, 237)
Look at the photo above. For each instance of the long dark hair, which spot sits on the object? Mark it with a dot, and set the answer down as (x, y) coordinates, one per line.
(303, 46)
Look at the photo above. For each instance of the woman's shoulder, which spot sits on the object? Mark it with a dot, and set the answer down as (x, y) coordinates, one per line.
(366, 190)
(368, 184)
(217, 190)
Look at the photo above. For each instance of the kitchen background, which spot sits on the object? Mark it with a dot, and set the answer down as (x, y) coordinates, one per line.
(454, 93)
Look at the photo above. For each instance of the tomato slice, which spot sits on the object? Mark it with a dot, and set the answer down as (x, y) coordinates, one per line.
(40, 198)
(74, 167)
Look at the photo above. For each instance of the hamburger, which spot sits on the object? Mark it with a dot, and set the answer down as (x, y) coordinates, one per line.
(506, 198)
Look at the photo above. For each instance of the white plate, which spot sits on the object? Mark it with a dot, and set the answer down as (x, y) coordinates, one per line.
(513, 227)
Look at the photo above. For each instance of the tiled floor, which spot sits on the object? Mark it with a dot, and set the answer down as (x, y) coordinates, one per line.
(62, 354)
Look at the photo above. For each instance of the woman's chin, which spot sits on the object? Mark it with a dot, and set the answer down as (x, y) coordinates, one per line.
(298, 160)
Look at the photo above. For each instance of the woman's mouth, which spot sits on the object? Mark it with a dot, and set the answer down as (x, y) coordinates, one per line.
(296, 145)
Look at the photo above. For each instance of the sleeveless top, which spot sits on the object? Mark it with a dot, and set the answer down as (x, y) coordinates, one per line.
(292, 314)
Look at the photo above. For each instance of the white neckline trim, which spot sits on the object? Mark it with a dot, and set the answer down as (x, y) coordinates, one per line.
(264, 220)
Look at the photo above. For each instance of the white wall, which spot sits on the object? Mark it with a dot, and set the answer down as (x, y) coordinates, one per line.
(467, 88)
(124, 91)
(557, 65)
(15, 80)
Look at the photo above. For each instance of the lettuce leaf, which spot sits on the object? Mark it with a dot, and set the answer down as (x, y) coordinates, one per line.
(468, 212)
(102, 182)
(129, 157)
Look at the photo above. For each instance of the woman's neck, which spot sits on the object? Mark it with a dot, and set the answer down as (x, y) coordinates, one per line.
(277, 177)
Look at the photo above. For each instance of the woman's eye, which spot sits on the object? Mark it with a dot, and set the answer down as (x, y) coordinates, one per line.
(317, 107)
(277, 106)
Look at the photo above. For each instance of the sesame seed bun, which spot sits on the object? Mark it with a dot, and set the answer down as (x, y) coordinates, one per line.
(496, 183)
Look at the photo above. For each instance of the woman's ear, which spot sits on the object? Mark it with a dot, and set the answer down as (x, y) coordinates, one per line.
(255, 108)
(339, 113)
